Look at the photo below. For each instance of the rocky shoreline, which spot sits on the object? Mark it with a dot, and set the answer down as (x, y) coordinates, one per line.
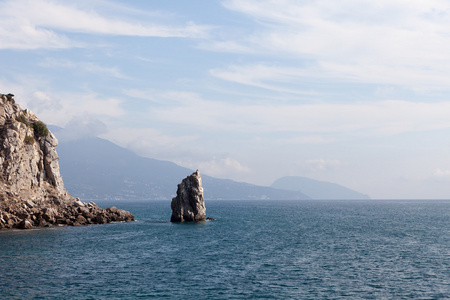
(28, 214)
(32, 191)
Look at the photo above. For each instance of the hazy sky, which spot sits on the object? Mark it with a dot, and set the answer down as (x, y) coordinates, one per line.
(352, 92)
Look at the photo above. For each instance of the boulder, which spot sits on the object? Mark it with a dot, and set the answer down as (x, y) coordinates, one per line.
(49, 214)
(25, 224)
(189, 204)
(83, 210)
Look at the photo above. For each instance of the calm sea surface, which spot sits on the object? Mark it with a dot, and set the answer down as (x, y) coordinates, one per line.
(254, 249)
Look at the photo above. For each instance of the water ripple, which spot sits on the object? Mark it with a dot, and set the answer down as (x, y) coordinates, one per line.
(264, 250)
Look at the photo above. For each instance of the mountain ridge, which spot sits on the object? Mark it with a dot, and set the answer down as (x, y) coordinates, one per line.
(318, 189)
(97, 169)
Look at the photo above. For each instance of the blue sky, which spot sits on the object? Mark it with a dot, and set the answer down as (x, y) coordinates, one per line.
(352, 92)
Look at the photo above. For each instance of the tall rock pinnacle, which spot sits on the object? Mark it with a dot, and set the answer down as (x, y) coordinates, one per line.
(189, 204)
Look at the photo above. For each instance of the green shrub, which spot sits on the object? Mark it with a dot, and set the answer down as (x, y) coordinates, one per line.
(29, 140)
(40, 129)
(22, 119)
(10, 97)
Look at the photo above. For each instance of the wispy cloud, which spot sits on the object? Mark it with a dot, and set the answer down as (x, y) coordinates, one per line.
(288, 79)
(31, 24)
(224, 167)
(88, 67)
(180, 149)
(168, 98)
(149, 142)
(382, 118)
(60, 109)
(321, 165)
(27, 36)
(383, 42)
(80, 126)
(441, 174)
(303, 139)
(267, 77)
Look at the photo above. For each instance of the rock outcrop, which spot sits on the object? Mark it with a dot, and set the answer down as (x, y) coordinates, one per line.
(189, 204)
(32, 191)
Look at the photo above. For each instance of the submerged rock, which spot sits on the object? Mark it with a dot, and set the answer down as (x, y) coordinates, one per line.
(189, 204)
(32, 191)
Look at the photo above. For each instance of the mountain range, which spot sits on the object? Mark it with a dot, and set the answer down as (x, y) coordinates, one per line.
(317, 189)
(97, 169)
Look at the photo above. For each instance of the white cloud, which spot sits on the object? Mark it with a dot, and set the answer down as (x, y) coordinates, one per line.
(287, 79)
(226, 46)
(32, 24)
(320, 165)
(43, 102)
(163, 97)
(266, 77)
(441, 174)
(84, 66)
(383, 118)
(306, 139)
(225, 167)
(80, 126)
(110, 71)
(182, 150)
(150, 142)
(17, 36)
(395, 42)
(62, 108)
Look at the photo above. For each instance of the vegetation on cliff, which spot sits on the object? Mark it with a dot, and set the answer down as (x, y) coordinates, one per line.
(32, 191)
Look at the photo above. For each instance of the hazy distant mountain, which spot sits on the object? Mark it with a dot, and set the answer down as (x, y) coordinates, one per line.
(317, 189)
(94, 168)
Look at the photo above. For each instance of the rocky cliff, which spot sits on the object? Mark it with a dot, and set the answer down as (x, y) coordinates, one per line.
(32, 191)
(189, 204)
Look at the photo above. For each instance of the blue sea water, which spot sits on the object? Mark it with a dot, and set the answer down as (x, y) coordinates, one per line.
(254, 250)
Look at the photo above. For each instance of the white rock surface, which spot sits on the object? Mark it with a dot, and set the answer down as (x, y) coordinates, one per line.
(189, 204)
(32, 191)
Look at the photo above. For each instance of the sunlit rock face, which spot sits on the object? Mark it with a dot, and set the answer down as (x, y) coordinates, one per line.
(32, 191)
(189, 204)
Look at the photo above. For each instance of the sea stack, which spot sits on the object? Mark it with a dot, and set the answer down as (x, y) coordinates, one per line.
(189, 204)
(32, 191)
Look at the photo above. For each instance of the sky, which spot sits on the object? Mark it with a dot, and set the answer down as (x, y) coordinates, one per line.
(352, 92)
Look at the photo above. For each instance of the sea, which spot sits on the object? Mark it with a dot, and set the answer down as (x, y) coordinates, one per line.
(309, 249)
